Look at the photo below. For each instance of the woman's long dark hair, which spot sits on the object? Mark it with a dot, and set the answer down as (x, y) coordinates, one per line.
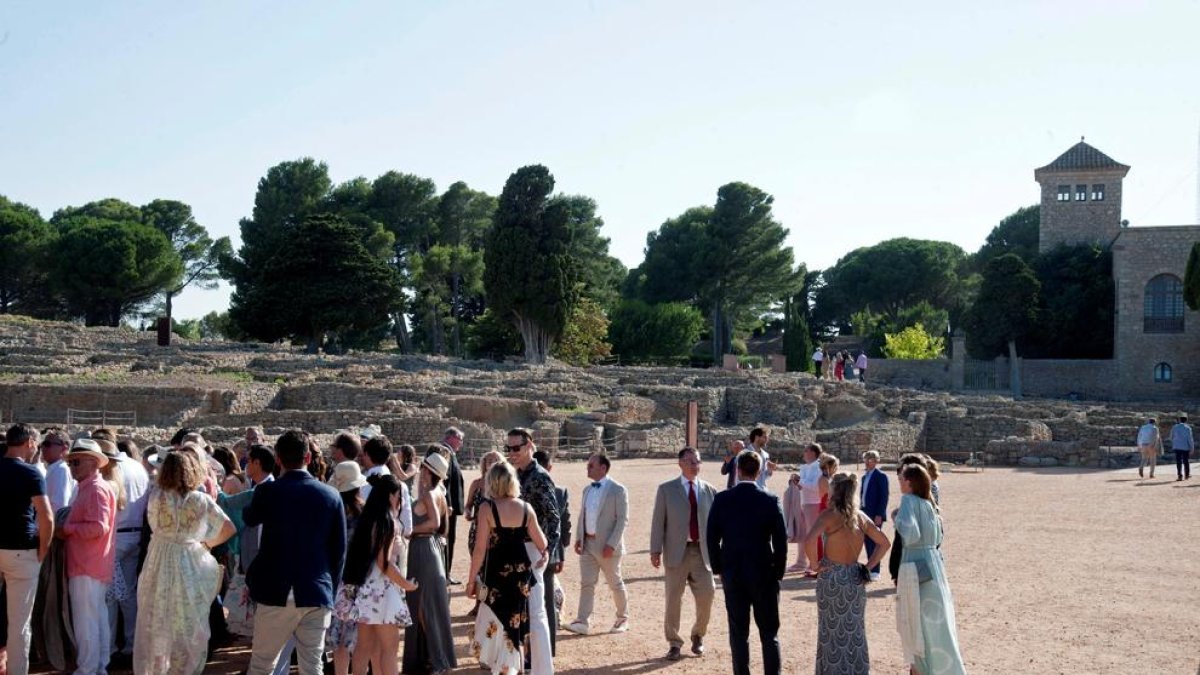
(374, 533)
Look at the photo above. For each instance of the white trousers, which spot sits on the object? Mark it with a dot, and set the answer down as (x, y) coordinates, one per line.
(19, 574)
(273, 626)
(126, 565)
(540, 658)
(89, 619)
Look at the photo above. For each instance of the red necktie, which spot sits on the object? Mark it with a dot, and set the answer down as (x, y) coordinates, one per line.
(693, 517)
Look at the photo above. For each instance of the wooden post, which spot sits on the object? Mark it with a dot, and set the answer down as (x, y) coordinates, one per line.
(692, 432)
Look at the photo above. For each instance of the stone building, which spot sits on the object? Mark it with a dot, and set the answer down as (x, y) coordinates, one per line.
(1156, 348)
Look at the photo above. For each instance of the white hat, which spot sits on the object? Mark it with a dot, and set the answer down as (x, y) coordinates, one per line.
(347, 476)
(438, 465)
(90, 448)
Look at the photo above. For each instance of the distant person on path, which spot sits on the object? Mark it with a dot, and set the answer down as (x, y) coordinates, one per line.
(300, 557)
(874, 500)
(747, 546)
(452, 438)
(677, 529)
(1182, 442)
(600, 544)
(1149, 446)
(841, 584)
(818, 356)
(861, 365)
(26, 528)
(924, 605)
(729, 465)
(90, 531)
(839, 366)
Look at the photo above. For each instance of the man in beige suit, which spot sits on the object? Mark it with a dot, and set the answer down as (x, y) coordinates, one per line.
(678, 530)
(600, 543)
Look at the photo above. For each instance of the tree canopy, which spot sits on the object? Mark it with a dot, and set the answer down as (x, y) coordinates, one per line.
(530, 276)
(1016, 234)
(25, 241)
(1006, 309)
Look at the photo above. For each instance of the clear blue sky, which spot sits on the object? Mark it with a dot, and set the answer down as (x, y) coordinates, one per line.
(868, 122)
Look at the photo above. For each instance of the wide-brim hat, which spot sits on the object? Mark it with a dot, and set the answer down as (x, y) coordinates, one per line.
(88, 447)
(347, 476)
(438, 465)
(156, 458)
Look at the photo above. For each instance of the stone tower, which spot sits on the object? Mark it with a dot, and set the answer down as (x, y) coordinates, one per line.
(1081, 198)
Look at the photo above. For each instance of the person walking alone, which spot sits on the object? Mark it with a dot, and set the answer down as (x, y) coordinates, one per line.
(600, 544)
(1182, 442)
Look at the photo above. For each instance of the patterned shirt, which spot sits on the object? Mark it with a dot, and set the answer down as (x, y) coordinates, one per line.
(537, 488)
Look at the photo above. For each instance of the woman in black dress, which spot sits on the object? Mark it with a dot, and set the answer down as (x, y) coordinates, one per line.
(501, 561)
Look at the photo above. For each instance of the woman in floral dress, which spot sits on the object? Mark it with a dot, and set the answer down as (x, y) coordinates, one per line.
(505, 524)
(372, 594)
(180, 577)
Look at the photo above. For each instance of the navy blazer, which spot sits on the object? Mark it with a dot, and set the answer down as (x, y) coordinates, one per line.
(747, 538)
(303, 542)
(875, 495)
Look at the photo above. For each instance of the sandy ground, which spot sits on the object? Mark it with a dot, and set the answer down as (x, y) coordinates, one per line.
(1052, 570)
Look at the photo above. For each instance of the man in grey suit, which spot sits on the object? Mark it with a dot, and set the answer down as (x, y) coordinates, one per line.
(600, 543)
(677, 529)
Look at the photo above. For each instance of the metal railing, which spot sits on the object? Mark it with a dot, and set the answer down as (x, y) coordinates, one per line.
(101, 418)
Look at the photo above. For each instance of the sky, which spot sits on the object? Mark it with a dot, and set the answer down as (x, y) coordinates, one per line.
(866, 122)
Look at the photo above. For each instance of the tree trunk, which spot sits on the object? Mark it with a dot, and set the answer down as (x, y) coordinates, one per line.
(403, 340)
(1014, 370)
(313, 345)
(537, 342)
(718, 349)
(169, 304)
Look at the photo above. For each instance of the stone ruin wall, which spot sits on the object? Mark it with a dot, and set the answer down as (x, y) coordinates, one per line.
(623, 410)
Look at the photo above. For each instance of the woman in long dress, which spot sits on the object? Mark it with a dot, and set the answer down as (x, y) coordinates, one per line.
(924, 601)
(428, 642)
(505, 524)
(841, 579)
(372, 593)
(180, 577)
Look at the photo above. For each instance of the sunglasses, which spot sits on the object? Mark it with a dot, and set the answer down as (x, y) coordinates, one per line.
(74, 462)
(514, 448)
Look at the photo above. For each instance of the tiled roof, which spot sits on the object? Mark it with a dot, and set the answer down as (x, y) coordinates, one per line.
(1082, 156)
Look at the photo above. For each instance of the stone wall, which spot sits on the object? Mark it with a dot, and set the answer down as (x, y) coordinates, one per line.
(957, 431)
(910, 373)
(157, 406)
(1059, 378)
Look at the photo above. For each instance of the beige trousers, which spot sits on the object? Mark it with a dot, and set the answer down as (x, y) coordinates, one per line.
(591, 563)
(689, 573)
(1149, 458)
(274, 625)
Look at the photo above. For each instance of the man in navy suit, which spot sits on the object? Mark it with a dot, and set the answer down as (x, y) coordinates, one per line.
(299, 559)
(747, 546)
(874, 499)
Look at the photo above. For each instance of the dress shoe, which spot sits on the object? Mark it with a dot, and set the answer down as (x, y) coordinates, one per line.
(697, 645)
(620, 626)
(673, 654)
(453, 582)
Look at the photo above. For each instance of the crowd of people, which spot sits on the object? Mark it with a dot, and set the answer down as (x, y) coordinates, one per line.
(341, 555)
(839, 365)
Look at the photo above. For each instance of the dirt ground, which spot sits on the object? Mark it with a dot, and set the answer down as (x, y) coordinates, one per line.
(1052, 570)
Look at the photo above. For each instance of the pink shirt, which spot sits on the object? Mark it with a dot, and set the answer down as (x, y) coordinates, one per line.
(91, 529)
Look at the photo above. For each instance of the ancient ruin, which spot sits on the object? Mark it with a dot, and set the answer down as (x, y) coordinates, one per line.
(56, 373)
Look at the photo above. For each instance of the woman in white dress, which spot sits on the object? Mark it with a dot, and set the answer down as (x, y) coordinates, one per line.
(180, 577)
(373, 588)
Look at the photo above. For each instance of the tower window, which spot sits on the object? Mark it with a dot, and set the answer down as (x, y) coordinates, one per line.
(1064, 193)
(1098, 192)
(1080, 193)
(1162, 373)
(1162, 305)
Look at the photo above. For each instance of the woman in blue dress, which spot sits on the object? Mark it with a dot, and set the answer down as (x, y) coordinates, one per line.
(925, 606)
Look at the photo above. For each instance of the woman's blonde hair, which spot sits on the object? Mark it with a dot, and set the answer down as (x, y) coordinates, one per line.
(180, 472)
(502, 482)
(843, 497)
(489, 460)
(826, 461)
